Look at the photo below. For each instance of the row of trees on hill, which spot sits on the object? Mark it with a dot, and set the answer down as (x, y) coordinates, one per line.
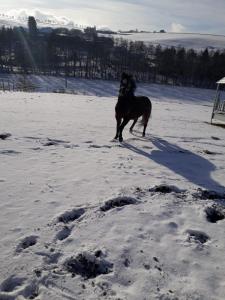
(63, 52)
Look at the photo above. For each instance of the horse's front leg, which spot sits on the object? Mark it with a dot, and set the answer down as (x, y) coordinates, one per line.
(124, 123)
(118, 123)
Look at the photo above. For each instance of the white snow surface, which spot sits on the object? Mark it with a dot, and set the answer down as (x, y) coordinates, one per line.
(20, 18)
(196, 41)
(61, 239)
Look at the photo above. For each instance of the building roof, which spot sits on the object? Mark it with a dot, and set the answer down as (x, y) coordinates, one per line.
(221, 81)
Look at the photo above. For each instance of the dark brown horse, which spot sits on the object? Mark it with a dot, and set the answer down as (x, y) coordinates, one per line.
(130, 107)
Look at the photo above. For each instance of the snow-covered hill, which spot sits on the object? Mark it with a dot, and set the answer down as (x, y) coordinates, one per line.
(85, 217)
(20, 18)
(103, 88)
(195, 41)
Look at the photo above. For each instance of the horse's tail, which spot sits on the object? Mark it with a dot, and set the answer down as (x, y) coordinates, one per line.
(147, 113)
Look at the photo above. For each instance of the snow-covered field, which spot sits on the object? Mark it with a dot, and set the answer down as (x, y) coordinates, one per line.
(85, 217)
(195, 41)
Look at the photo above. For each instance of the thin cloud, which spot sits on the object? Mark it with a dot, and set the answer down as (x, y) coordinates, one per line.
(176, 27)
(191, 16)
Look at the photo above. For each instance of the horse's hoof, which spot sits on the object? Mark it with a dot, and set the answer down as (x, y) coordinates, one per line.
(143, 134)
(121, 139)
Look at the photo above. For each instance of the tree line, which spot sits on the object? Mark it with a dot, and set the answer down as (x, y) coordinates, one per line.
(87, 54)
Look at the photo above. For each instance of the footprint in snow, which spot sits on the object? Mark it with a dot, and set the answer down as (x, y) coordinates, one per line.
(15, 287)
(12, 283)
(172, 226)
(165, 189)
(98, 146)
(94, 146)
(63, 233)
(208, 194)
(71, 215)
(26, 242)
(209, 152)
(9, 152)
(54, 142)
(71, 146)
(197, 236)
(4, 136)
(118, 202)
(36, 148)
(49, 257)
(215, 138)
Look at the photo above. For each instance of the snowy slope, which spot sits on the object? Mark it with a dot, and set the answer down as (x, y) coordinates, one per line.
(60, 236)
(103, 88)
(43, 19)
(195, 41)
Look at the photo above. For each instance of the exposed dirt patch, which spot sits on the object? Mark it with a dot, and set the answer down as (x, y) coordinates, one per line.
(215, 213)
(87, 265)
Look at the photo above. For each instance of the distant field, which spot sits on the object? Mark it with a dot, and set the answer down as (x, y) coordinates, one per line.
(196, 41)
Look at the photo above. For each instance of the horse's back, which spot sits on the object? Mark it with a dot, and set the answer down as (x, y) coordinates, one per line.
(144, 100)
(142, 104)
(133, 108)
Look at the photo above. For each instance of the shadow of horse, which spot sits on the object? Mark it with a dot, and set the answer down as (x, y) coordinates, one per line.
(193, 167)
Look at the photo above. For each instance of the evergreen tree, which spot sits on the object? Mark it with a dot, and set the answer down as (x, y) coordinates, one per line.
(32, 26)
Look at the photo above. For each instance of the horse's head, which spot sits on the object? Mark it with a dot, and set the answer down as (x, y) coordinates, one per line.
(124, 78)
(127, 85)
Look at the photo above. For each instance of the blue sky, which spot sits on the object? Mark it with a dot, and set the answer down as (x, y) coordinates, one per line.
(205, 16)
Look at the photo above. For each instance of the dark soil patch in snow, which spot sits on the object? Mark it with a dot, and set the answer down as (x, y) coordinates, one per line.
(215, 213)
(4, 136)
(26, 243)
(70, 216)
(87, 265)
(165, 189)
(118, 202)
(211, 195)
(12, 283)
(197, 236)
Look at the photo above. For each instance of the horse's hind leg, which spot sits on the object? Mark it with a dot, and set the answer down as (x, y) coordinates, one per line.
(145, 121)
(118, 123)
(132, 126)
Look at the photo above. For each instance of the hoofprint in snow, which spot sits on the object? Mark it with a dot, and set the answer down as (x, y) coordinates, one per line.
(84, 217)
